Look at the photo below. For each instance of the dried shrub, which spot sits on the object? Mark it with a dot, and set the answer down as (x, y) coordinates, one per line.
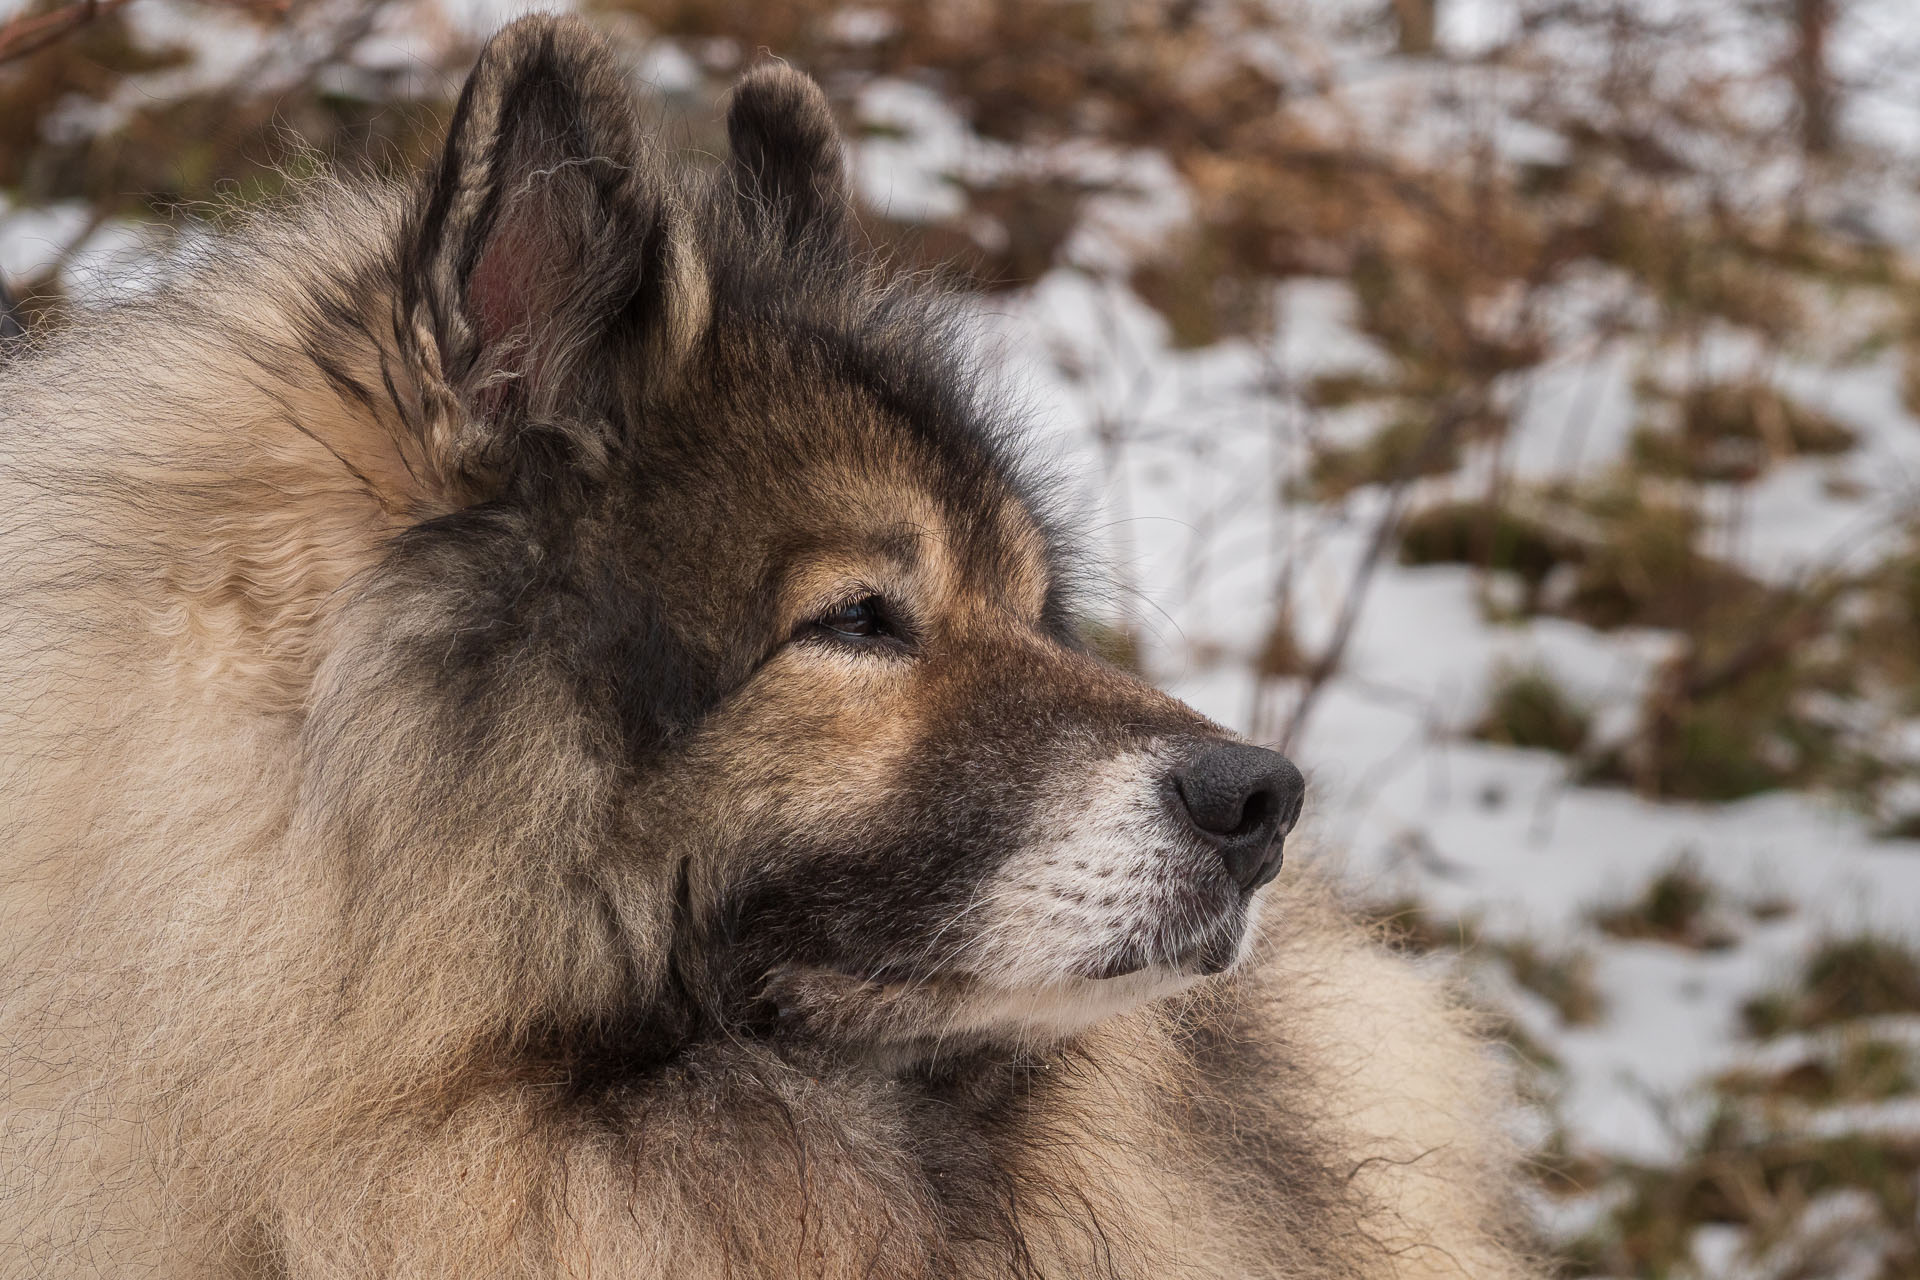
(1488, 536)
(1862, 1069)
(1676, 907)
(1863, 976)
(1528, 708)
(1735, 431)
(1564, 979)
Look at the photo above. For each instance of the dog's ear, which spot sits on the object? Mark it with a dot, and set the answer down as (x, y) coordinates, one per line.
(547, 262)
(787, 162)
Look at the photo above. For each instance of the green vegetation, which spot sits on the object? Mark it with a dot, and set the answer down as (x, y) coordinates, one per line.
(1490, 537)
(1844, 979)
(1676, 907)
(1864, 1069)
(1734, 432)
(1528, 708)
(1564, 979)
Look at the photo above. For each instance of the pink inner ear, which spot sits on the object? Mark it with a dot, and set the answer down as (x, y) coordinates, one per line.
(512, 293)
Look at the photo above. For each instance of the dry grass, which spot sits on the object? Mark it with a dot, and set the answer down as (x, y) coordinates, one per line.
(240, 140)
(1733, 432)
(1845, 979)
(1739, 1174)
(1528, 708)
(1563, 978)
(1811, 1200)
(1678, 907)
(1487, 536)
(1864, 1069)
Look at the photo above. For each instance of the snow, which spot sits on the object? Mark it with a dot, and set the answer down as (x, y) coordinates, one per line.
(1180, 453)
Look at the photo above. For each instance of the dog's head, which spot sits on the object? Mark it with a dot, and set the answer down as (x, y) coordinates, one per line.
(733, 643)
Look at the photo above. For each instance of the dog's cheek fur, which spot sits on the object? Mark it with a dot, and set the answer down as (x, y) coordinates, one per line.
(469, 767)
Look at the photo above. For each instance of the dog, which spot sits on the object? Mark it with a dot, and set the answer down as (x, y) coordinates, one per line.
(545, 732)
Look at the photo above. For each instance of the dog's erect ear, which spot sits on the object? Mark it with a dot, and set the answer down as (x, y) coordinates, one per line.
(787, 160)
(545, 242)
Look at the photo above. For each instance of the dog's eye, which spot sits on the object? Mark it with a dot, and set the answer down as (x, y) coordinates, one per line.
(862, 619)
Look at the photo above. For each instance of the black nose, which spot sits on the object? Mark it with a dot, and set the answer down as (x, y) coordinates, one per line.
(1242, 800)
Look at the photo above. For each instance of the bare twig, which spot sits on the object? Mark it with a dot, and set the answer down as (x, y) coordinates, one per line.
(30, 33)
(1448, 418)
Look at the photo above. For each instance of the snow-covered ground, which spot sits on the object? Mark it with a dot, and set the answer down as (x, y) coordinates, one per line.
(1399, 800)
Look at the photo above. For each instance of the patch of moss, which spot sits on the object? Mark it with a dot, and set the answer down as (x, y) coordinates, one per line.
(1564, 979)
(1863, 976)
(1489, 536)
(1862, 1070)
(1675, 908)
(1528, 708)
(1735, 431)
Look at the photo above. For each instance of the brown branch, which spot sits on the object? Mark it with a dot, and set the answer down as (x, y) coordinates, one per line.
(30, 33)
(1448, 418)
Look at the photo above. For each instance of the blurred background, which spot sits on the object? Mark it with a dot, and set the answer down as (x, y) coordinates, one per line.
(1510, 406)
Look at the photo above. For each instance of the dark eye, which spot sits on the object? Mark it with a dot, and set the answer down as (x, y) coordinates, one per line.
(860, 619)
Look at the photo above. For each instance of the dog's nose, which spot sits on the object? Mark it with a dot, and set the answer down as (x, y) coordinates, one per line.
(1242, 800)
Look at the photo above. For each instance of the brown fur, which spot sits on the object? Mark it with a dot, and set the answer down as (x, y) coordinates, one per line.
(338, 943)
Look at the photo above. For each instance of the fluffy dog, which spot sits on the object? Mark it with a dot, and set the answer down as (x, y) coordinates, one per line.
(543, 734)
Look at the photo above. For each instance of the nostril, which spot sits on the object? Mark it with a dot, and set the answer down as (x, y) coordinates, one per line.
(1259, 812)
